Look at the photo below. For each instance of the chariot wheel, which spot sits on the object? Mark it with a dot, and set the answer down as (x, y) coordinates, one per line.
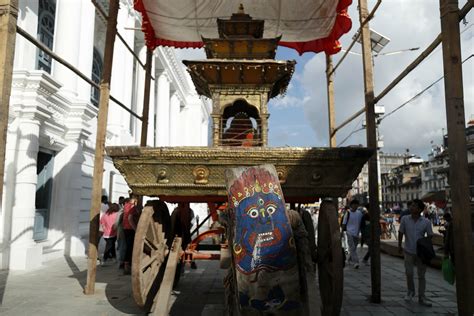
(149, 252)
(330, 260)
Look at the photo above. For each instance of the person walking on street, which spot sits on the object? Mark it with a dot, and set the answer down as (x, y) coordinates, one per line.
(352, 224)
(181, 224)
(129, 223)
(414, 227)
(108, 224)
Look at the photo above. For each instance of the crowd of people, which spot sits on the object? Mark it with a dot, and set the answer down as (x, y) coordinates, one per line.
(414, 239)
(118, 223)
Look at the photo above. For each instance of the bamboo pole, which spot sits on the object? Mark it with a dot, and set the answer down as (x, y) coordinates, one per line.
(146, 97)
(462, 14)
(374, 209)
(8, 17)
(63, 62)
(331, 109)
(100, 146)
(457, 149)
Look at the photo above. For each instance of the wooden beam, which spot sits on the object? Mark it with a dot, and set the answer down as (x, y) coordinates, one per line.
(331, 109)
(374, 209)
(146, 97)
(100, 146)
(8, 17)
(63, 62)
(457, 149)
(161, 303)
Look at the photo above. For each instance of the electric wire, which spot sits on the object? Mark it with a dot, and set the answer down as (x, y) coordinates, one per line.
(355, 130)
(418, 94)
(400, 106)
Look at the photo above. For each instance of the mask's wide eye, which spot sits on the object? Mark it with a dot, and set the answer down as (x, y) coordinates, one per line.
(271, 209)
(253, 213)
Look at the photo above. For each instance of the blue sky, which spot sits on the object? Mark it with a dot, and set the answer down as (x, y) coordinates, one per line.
(288, 125)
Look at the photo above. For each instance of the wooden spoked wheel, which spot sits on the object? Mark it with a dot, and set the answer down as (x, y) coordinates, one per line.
(330, 260)
(149, 252)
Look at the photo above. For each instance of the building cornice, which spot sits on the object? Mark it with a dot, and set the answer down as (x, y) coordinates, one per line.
(175, 72)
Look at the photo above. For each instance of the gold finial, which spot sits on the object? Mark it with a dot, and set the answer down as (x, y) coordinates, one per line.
(257, 188)
(241, 9)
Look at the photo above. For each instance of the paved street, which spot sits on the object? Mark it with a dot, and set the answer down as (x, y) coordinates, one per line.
(57, 288)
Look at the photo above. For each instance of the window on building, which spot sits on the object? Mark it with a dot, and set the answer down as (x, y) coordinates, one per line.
(96, 75)
(46, 15)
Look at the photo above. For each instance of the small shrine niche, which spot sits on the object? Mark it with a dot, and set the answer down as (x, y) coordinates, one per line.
(241, 125)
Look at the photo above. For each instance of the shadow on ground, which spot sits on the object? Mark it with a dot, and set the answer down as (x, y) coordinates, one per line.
(110, 280)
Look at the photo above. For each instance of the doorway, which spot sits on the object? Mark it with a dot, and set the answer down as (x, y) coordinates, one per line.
(44, 188)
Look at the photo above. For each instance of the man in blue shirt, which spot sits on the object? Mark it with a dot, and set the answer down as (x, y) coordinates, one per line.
(414, 227)
(351, 224)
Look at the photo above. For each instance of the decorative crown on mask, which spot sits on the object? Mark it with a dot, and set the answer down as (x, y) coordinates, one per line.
(248, 185)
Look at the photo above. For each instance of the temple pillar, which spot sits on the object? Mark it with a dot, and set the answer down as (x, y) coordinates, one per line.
(87, 21)
(140, 91)
(264, 129)
(24, 252)
(122, 67)
(175, 127)
(216, 122)
(163, 111)
(26, 54)
(68, 24)
(150, 141)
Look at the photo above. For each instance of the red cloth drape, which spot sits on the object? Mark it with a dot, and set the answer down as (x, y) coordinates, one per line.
(330, 45)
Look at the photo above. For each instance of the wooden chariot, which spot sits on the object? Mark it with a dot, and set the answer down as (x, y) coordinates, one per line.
(240, 76)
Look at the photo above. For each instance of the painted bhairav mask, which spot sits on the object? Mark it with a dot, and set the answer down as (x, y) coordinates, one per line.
(263, 246)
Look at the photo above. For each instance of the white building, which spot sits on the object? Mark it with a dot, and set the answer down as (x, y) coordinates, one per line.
(52, 125)
(360, 186)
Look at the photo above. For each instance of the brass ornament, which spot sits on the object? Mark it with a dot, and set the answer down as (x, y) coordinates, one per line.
(162, 176)
(316, 177)
(282, 174)
(201, 175)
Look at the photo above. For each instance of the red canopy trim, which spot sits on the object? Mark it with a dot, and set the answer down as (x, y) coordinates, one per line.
(330, 45)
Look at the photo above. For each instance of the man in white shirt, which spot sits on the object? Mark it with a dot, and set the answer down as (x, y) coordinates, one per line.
(351, 224)
(414, 227)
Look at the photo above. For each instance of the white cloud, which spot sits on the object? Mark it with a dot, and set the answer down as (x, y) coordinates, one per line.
(288, 101)
(408, 24)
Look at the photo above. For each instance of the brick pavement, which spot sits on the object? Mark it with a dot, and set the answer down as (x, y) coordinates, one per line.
(57, 288)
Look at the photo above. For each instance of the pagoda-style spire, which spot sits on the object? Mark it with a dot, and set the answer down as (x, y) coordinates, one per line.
(240, 75)
(240, 25)
(240, 37)
(241, 9)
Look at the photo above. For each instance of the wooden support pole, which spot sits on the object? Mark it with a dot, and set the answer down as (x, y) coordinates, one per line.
(146, 97)
(8, 17)
(100, 146)
(374, 209)
(331, 109)
(457, 149)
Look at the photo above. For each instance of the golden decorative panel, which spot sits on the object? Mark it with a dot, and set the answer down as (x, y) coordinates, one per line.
(194, 173)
